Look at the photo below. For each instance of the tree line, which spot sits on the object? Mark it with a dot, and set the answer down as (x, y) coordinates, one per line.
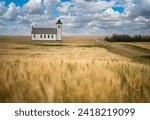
(127, 38)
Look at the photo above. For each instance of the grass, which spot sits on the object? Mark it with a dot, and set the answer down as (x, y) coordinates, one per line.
(137, 47)
(78, 73)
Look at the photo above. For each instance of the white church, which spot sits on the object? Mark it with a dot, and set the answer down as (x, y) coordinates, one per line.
(48, 33)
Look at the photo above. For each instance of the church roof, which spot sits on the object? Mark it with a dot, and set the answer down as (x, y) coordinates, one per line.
(44, 31)
(59, 22)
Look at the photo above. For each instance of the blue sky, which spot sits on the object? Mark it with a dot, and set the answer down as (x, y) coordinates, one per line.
(79, 17)
(22, 2)
(17, 2)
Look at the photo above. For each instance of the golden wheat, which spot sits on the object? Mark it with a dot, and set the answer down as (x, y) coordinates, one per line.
(71, 74)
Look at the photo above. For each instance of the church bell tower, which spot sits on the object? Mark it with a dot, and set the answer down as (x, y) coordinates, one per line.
(59, 29)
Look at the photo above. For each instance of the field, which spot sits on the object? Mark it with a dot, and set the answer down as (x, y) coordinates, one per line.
(78, 69)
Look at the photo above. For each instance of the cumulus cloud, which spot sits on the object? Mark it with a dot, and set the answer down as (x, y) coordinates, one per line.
(34, 7)
(137, 8)
(93, 5)
(65, 7)
(12, 12)
(47, 6)
(2, 8)
(79, 16)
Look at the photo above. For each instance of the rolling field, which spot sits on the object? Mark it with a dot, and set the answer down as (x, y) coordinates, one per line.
(141, 45)
(78, 69)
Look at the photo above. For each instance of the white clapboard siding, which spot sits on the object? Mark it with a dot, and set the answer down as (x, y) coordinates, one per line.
(44, 37)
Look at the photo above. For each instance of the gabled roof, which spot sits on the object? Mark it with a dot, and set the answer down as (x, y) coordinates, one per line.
(44, 31)
(59, 22)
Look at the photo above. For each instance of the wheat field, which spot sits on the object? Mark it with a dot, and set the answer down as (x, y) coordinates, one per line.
(30, 73)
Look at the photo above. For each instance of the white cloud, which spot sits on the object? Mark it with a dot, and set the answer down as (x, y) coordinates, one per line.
(110, 14)
(141, 19)
(65, 7)
(2, 8)
(12, 12)
(34, 7)
(135, 8)
(92, 5)
(48, 5)
(78, 16)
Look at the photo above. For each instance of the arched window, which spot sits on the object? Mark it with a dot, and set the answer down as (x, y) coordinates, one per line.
(44, 36)
(41, 36)
(34, 36)
(48, 36)
(58, 26)
(52, 36)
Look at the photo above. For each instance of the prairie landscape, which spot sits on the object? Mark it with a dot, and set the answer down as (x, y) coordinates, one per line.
(77, 69)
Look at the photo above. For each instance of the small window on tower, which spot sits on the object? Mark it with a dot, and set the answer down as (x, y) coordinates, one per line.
(58, 26)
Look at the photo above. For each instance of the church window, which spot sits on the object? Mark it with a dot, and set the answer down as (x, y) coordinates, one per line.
(52, 36)
(41, 36)
(44, 36)
(58, 26)
(34, 36)
(48, 36)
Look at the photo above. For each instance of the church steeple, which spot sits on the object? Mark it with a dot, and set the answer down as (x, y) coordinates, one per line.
(59, 29)
(59, 22)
